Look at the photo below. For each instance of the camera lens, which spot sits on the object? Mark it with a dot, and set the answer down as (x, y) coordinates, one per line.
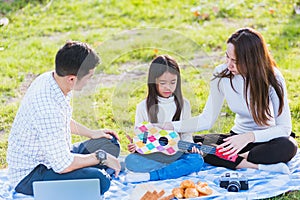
(234, 186)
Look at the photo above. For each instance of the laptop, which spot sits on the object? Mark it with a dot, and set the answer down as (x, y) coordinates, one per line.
(80, 189)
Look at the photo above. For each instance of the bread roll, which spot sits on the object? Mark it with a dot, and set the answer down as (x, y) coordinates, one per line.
(204, 190)
(191, 193)
(178, 192)
(187, 184)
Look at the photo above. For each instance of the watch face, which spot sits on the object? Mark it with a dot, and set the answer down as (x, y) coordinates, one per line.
(102, 155)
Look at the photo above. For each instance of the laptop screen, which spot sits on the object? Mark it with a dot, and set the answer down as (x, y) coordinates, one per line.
(79, 189)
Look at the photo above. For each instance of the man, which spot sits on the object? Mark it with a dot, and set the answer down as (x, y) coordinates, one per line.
(39, 145)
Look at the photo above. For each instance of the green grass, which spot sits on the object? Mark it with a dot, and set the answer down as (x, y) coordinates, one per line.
(127, 35)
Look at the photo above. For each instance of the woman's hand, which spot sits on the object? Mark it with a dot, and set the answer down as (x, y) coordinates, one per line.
(234, 144)
(106, 133)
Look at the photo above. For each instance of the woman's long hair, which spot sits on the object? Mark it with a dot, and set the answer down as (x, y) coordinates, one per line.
(256, 66)
(158, 66)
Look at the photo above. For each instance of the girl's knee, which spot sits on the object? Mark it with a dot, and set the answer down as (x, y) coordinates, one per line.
(196, 161)
(130, 162)
(195, 157)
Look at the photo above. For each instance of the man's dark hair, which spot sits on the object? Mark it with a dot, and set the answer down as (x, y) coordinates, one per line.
(75, 58)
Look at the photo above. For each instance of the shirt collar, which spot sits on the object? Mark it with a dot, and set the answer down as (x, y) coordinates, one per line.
(58, 93)
(165, 100)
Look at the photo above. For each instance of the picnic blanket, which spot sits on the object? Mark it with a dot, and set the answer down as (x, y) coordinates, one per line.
(262, 184)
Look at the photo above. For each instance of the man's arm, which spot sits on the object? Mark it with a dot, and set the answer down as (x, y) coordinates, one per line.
(81, 161)
(79, 129)
(86, 160)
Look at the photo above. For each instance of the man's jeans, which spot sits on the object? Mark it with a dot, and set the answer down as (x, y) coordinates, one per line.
(184, 165)
(41, 173)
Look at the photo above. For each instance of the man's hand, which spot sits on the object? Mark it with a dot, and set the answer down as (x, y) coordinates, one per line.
(106, 133)
(113, 162)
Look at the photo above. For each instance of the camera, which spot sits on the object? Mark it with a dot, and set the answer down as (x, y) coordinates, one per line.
(233, 182)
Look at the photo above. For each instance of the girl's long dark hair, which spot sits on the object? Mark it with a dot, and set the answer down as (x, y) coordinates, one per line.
(256, 66)
(158, 66)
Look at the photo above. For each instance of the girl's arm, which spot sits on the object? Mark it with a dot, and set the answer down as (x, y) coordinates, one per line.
(140, 116)
(141, 113)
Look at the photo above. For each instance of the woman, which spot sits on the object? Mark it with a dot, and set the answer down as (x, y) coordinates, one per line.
(255, 91)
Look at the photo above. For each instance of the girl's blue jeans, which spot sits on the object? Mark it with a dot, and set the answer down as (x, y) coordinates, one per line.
(41, 173)
(184, 165)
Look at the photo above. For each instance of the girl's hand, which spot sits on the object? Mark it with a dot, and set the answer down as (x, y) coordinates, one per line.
(196, 150)
(131, 148)
(234, 144)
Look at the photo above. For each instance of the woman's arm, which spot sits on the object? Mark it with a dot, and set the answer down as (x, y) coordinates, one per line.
(207, 118)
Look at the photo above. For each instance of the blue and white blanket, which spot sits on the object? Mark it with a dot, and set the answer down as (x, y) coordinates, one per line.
(262, 184)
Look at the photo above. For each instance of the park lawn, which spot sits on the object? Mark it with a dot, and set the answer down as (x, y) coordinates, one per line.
(127, 35)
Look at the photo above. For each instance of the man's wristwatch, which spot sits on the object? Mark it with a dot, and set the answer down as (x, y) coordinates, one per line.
(101, 156)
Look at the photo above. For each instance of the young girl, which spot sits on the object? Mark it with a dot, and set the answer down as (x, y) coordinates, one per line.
(164, 103)
(255, 91)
